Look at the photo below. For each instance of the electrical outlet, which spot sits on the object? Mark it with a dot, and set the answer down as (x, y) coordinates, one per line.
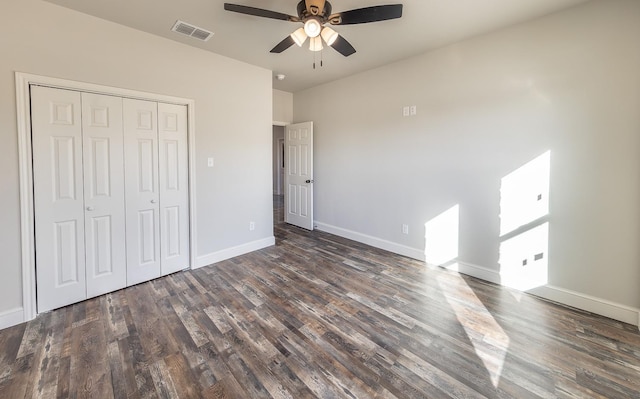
(210, 162)
(413, 110)
(252, 226)
(405, 111)
(405, 229)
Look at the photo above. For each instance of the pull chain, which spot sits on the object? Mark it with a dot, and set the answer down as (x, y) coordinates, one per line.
(314, 59)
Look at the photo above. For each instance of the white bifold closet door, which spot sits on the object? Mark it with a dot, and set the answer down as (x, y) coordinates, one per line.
(79, 197)
(157, 189)
(174, 190)
(143, 193)
(110, 193)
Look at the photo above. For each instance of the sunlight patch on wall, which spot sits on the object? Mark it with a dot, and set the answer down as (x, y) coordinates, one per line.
(441, 237)
(523, 259)
(489, 340)
(524, 194)
(524, 226)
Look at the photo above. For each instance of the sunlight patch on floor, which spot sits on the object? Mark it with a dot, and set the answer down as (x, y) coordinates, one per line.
(489, 340)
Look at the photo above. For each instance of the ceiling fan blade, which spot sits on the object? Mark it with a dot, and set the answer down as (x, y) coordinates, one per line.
(315, 7)
(366, 15)
(283, 45)
(259, 12)
(342, 46)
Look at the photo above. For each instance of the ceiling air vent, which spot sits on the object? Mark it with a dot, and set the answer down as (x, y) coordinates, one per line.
(193, 31)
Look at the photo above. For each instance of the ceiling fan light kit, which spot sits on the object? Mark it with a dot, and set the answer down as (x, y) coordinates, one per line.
(315, 44)
(312, 27)
(299, 36)
(314, 15)
(329, 35)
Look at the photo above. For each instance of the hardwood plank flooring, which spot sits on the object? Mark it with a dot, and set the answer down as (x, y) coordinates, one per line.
(318, 316)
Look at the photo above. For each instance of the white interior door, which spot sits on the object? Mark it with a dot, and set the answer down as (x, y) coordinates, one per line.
(104, 211)
(58, 197)
(141, 188)
(298, 201)
(174, 187)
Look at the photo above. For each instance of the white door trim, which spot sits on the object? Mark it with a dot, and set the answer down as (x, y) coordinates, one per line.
(27, 217)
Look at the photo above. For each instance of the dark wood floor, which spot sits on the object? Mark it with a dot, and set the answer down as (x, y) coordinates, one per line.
(319, 316)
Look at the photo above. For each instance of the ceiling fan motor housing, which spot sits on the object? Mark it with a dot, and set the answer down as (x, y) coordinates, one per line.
(304, 14)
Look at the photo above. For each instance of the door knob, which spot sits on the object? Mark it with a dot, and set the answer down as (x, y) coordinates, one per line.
(153, 201)
(89, 208)
(309, 181)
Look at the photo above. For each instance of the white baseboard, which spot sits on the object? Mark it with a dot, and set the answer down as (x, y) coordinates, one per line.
(574, 299)
(11, 318)
(373, 241)
(228, 253)
(476, 271)
(589, 303)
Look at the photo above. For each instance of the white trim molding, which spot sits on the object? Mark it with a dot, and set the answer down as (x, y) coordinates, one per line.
(11, 317)
(563, 296)
(476, 271)
(589, 303)
(228, 253)
(27, 239)
(23, 111)
(373, 241)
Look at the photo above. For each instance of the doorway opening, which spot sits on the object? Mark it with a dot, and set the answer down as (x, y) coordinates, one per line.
(278, 174)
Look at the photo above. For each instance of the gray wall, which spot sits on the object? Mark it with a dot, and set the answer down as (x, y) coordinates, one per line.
(568, 83)
(44, 39)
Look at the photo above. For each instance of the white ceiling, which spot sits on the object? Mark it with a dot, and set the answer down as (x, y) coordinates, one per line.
(425, 25)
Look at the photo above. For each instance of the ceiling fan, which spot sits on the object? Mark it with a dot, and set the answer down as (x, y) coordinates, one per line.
(314, 14)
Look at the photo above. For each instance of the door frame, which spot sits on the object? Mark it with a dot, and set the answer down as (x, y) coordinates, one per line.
(281, 169)
(284, 125)
(25, 156)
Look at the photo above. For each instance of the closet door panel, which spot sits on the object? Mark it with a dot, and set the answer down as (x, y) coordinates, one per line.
(58, 197)
(141, 190)
(103, 153)
(174, 187)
